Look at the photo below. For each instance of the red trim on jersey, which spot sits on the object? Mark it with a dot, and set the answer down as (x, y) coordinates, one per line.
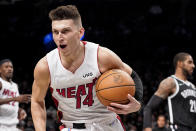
(49, 71)
(59, 113)
(84, 42)
(51, 90)
(54, 99)
(118, 117)
(59, 116)
(98, 60)
(62, 127)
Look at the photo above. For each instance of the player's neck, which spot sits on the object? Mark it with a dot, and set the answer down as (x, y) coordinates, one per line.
(6, 79)
(180, 75)
(75, 58)
(74, 55)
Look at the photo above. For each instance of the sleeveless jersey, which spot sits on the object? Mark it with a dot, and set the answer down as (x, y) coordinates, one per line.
(182, 104)
(74, 93)
(9, 112)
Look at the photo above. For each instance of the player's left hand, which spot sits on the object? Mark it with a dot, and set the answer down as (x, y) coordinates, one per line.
(132, 106)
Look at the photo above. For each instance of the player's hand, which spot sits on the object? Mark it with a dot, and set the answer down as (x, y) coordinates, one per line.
(132, 106)
(26, 98)
(22, 114)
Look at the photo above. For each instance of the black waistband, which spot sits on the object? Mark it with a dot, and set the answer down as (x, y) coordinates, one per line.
(79, 125)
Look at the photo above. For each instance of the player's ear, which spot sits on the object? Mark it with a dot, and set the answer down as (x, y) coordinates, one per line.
(81, 31)
(180, 63)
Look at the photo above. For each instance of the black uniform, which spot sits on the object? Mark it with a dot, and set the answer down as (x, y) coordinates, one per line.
(182, 106)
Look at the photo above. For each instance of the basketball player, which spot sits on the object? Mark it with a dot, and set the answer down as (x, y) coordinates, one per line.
(71, 71)
(10, 113)
(181, 96)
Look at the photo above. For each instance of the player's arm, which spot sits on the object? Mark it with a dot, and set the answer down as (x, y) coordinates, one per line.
(109, 60)
(166, 87)
(4, 101)
(22, 99)
(21, 114)
(39, 90)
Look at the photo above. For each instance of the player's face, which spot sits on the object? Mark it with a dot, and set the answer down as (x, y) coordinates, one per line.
(161, 121)
(66, 34)
(6, 70)
(188, 66)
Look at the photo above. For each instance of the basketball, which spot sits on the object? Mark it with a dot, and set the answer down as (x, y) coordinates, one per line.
(113, 86)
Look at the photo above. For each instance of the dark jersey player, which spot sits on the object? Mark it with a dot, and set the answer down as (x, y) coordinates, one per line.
(181, 96)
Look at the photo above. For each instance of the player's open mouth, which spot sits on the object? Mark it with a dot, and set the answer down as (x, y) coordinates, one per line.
(62, 46)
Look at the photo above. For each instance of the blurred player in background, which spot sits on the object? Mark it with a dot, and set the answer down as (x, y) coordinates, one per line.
(71, 71)
(181, 96)
(10, 113)
(161, 124)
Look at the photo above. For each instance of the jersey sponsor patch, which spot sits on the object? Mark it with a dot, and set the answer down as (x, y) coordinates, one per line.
(87, 75)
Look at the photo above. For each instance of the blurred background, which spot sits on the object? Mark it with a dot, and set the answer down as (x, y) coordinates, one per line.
(145, 34)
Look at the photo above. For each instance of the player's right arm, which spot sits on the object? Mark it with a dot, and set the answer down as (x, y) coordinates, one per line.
(4, 101)
(39, 90)
(166, 87)
(22, 98)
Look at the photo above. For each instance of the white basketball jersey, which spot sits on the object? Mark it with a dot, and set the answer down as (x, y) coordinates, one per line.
(74, 93)
(9, 112)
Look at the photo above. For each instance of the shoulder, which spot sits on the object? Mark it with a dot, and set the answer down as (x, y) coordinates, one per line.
(107, 60)
(90, 46)
(89, 43)
(41, 68)
(166, 87)
(1, 83)
(105, 52)
(167, 82)
(15, 84)
(193, 86)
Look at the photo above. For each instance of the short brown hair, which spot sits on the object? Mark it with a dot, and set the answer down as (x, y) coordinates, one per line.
(65, 12)
(182, 56)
